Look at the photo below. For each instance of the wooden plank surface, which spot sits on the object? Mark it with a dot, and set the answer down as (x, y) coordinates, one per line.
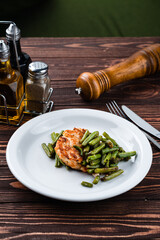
(132, 215)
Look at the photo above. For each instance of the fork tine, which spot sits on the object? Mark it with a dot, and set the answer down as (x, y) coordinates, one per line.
(118, 109)
(110, 110)
(114, 108)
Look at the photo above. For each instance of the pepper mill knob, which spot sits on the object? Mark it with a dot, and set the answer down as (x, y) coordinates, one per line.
(142, 63)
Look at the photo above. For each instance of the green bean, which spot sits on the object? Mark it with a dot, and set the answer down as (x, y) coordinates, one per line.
(57, 137)
(96, 145)
(121, 149)
(89, 138)
(126, 159)
(117, 160)
(59, 134)
(87, 184)
(98, 149)
(95, 162)
(57, 162)
(95, 141)
(107, 164)
(93, 157)
(107, 150)
(79, 149)
(103, 158)
(53, 136)
(96, 166)
(107, 159)
(112, 175)
(85, 135)
(85, 155)
(126, 154)
(109, 143)
(106, 135)
(90, 171)
(113, 164)
(61, 161)
(51, 149)
(96, 180)
(104, 139)
(46, 149)
(105, 170)
(86, 149)
(83, 163)
(114, 155)
(109, 138)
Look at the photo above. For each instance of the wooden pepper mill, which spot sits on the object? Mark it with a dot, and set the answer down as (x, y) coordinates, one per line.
(144, 62)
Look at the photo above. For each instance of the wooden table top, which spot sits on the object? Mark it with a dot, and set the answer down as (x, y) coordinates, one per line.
(135, 214)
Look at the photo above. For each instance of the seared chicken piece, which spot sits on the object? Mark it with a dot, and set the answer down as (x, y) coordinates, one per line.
(65, 150)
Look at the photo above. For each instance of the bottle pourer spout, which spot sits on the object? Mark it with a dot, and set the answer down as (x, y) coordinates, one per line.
(13, 32)
(78, 90)
(4, 50)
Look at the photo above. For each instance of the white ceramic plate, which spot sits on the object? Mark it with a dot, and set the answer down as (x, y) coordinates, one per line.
(30, 165)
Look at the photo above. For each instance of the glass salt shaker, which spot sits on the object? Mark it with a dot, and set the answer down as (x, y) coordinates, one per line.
(37, 87)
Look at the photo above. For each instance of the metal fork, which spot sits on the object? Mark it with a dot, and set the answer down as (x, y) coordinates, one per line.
(115, 109)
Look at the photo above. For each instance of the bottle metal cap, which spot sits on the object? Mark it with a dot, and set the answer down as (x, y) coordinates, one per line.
(4, 49)
(13, 31)
(37, 68)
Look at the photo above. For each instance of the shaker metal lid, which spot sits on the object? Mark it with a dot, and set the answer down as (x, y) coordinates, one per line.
(11, 30)
(4, 49)
(38, 68)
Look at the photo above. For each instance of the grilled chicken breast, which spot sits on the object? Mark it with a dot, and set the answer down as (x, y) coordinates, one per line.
(65, 150)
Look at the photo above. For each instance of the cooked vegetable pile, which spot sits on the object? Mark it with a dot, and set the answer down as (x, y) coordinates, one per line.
(95, 154)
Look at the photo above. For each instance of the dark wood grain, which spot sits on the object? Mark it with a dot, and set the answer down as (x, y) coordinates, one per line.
(135, 214)
(62, 220)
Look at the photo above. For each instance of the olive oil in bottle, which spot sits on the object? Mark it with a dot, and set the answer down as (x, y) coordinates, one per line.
(13, 32)
(11, 87)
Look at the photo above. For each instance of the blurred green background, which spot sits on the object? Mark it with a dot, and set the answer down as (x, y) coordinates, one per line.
(83, 18)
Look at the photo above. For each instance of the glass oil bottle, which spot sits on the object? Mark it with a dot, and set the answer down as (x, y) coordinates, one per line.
(13, 36)
(11, 88)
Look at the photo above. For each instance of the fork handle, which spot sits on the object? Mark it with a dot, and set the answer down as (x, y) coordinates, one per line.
(142, 63)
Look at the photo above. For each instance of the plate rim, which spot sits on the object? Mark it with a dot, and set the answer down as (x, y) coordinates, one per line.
(67, 198)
